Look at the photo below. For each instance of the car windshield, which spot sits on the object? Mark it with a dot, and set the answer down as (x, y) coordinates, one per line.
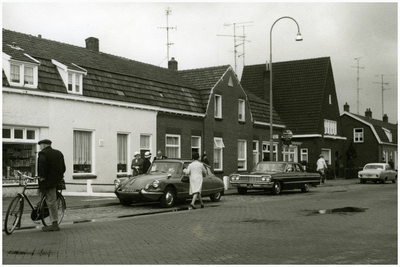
(269, 167)
(173, 168)
(373, 167)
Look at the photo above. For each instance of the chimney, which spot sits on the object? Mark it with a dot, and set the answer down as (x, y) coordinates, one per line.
(40, 36)
(385, 118)
(92, 43)
(346, 107)
(368, 113)
(173, 64)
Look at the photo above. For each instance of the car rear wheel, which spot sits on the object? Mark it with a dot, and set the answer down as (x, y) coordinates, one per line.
(168, 198)
(276, 189)
(305, 188)
(394, 180)
(216, 197)
(242, 190)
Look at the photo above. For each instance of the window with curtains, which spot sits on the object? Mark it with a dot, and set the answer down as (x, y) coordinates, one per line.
(242, 155)
(256, 152)
(122, 150)
(241, 109)
(173, 146)
(24, 75)
(83, 152)
(144, 144)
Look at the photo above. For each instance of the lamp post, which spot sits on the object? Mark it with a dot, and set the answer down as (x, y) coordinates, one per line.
(298, 38)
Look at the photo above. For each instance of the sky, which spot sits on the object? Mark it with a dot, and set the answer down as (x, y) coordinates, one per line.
(361, 38)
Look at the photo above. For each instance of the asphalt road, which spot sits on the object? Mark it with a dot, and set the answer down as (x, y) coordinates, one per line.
(340, 223)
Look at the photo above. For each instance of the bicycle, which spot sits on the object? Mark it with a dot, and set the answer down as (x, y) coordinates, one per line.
(41, 212)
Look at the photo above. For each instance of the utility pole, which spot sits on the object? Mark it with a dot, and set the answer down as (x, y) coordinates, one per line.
(168, 12)
(358, 82)
(382, 83)
(235, 36)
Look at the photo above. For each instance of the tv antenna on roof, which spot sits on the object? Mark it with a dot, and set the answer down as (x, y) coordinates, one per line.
(358, 81)
(382, 83)
(168, 12)
(242, 37)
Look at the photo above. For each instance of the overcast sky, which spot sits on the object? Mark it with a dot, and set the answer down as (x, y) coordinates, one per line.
(342, 31)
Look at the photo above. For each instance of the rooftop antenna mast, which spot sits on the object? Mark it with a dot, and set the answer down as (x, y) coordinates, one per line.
(168, 12)
(358, 82)
(382, 83)
(235, 36)
(244, 41)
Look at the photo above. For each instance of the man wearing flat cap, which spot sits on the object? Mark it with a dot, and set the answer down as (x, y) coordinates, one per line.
(51, 168)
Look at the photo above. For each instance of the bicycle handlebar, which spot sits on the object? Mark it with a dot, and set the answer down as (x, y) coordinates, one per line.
(26, 176)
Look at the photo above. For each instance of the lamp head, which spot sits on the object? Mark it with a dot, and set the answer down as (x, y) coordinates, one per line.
(299, 37)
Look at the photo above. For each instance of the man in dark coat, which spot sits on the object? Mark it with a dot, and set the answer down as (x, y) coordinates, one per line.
(51, 168)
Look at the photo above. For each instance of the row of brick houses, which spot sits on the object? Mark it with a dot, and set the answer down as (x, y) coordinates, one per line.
(98, 109)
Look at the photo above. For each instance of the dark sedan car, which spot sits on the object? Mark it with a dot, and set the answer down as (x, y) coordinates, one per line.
(275, 176)
(165, 182)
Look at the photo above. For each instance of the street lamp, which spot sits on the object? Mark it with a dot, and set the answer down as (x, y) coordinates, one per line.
(298, 38)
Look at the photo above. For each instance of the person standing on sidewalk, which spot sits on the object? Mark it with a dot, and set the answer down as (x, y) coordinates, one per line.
(196, 172)
(321, 168)
(137, 164)
(51, 168)
(146, 161)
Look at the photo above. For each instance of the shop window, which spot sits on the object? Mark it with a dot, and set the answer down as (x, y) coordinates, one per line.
(11, 134)
(83, 152)
(18, 157)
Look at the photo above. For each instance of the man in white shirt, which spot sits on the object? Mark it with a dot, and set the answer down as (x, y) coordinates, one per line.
(321, 168)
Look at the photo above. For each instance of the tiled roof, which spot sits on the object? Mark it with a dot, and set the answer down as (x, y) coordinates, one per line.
(298, 90)
(260, 110)
(378, 126)
(109, 77)
(204, 79)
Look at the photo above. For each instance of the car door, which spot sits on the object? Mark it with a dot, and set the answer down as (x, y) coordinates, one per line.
(207, 182)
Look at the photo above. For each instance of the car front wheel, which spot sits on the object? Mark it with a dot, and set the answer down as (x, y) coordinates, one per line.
(216, 197)
(168, 198)
(305, 188)
(276, 190)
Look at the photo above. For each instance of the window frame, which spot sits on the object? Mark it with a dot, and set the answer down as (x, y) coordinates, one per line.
(193, 148)
(126, 135)
(266, 144)
(92, 153)
(241, 110)
(24, 138)
(359, 135)
(22, 69)
(242, 160)
(173, 146)
(74, 86)
(218, 150)
(217, 106)
(256, 152)
(304, 155)
(330, 127)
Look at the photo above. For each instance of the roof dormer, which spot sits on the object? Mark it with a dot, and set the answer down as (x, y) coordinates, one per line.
(72, 76)
(21, 69)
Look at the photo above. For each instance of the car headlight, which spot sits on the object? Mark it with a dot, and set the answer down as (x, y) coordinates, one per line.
(234, 177)
(155, 183)
(146, 187)
(117, 182)
(266, 178)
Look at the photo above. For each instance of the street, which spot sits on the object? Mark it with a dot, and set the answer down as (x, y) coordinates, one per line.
(337, 223)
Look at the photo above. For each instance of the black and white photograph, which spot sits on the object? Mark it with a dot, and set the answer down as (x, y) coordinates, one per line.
(200, 133)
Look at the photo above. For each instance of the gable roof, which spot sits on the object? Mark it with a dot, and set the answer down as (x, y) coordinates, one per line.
(298, 90)
(109, 77)
(205, 79)
(378, 127)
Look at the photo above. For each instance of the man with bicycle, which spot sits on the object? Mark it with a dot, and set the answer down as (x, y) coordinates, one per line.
(51, 168)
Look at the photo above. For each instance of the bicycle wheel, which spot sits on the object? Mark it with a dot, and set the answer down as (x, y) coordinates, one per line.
(13, 215)
(44, 210)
